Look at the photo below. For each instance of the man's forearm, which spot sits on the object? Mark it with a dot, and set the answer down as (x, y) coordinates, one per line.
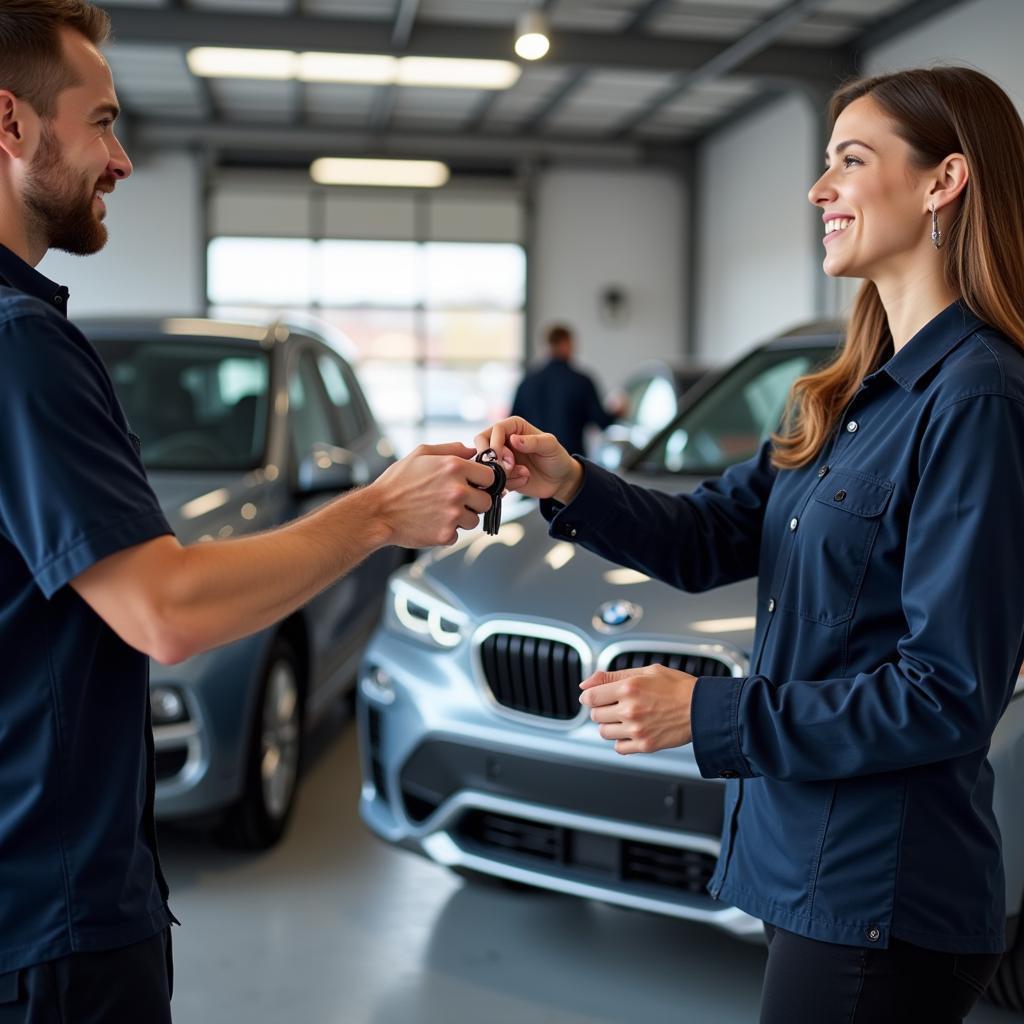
(223, 590)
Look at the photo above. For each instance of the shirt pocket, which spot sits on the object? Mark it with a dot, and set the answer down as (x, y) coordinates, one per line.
(832, 548)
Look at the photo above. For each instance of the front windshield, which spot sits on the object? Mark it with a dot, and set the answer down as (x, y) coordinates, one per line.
(732, 420)
(197, 404)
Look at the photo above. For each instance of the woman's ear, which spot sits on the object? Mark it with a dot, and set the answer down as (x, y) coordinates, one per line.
(950, 179)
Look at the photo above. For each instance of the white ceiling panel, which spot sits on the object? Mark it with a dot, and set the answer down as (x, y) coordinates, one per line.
(253, 100)
(824, 31)
(444, 103)
(863, 9)
(516, 105)
(704, 26)
(615, 93)
(351, 102)
(594, 15)
(145, 75)
(371, 10)
(243, 6)
(475, 12)
(135, 3)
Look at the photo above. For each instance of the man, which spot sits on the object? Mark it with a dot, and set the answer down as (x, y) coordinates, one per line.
(560, 399)
(91, 579)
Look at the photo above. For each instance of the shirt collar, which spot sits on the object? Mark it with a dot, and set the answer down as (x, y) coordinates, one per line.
(932, 344)
(18, 274)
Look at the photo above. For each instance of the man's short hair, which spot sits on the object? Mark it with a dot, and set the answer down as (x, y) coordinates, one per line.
(558, 335)
(31, 59)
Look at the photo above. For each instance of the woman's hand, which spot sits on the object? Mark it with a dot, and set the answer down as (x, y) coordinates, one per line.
(536, 464)
(641, 709)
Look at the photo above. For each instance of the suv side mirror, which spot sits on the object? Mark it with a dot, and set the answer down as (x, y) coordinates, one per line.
(329, 468)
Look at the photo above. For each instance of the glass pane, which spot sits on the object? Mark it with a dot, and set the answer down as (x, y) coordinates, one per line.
(470, 395)
(306, 411)
(735, 416)
(266, 271)
(341, 396)
(369, 274)
(386, 334)
(195, 405)
(475, 336)
(462, 275)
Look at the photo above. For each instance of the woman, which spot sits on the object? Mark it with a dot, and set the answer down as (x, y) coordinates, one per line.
(884, 524)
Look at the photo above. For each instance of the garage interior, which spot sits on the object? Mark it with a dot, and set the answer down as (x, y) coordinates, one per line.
(645, 181)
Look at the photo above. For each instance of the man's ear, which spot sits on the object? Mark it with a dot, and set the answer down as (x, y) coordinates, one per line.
(950, 180)
(15, 126)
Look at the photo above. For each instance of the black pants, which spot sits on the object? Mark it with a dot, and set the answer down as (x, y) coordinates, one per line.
(812, 982)
(131, 985)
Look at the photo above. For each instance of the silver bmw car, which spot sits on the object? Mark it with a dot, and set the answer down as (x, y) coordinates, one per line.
(476, 751)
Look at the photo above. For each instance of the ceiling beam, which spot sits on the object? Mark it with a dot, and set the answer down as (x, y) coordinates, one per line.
(306, 141)
(736, 57)
(405, 18)
(576, 49)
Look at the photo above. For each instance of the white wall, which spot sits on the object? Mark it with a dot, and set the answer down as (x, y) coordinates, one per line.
(755, 268)
(151, 263)
(615, 227)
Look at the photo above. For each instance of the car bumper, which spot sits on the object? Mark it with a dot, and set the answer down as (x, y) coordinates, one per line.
(448, 776)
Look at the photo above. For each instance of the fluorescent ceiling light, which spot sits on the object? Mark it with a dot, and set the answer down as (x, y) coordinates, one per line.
(363, 68)
(222, 62)
(356, 68)
(393, 173)
(532, 35)
(456, 73)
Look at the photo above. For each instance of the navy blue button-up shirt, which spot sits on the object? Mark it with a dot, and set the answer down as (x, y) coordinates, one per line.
(890, 628)
(78, 863)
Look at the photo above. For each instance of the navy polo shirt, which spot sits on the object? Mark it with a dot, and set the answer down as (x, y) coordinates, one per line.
(78, 861)
(890, 629)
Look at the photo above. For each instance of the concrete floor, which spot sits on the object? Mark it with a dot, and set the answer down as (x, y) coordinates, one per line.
(334, 927)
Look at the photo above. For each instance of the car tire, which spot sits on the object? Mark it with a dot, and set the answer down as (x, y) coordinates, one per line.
(274, 758)
(1006, 988)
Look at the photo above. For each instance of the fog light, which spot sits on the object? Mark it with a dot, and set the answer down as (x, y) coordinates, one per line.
(379, 685)
(167, 706)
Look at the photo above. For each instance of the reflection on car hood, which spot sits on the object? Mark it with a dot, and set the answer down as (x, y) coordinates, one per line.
(192, 500)
(524, 573)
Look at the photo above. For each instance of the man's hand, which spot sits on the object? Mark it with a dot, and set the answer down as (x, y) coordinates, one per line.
(536, 464)
(425, 499)
(641, 709)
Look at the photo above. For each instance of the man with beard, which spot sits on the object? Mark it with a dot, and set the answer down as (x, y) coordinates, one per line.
(91, 578)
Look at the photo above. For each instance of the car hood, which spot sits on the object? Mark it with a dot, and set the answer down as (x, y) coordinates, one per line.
(197, 503)
(523, 573)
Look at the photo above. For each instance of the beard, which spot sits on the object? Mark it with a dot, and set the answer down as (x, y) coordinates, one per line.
(59, 202)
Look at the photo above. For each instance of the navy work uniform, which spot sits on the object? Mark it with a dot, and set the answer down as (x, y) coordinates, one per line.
(83, 903)
(890, 628)
(561, 400)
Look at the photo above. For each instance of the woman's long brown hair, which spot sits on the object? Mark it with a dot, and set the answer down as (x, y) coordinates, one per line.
(936, 111)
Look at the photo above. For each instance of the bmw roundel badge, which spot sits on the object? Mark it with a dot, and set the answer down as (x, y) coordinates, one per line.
(615, 616)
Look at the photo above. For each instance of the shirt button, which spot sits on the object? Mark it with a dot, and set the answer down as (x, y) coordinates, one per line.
(852, 426)
(571, 531)
(793, 524)
(823, 472)
(771, 604)
(840, 496)
(872, 934)
(727, 774)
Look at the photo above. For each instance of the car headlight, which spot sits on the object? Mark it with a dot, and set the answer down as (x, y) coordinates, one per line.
(430, 619)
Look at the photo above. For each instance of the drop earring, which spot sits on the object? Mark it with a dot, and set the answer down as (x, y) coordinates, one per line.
(936, 233)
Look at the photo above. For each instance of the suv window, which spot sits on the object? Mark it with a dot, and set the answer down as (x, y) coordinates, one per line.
(307, 409)
(730, 422)
(342, 390)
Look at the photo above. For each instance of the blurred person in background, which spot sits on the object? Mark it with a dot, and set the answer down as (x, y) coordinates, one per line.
(558, 398)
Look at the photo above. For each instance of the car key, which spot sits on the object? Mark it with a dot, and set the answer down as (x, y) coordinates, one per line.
(492, 517)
